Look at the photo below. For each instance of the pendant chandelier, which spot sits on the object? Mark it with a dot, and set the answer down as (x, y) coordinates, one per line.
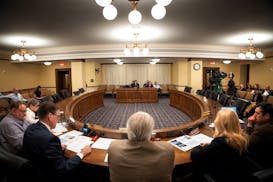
(23, 54)
(136, 48)
(110, 12)
(251, 52)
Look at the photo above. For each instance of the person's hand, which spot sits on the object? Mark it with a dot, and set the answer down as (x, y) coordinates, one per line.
(251, 121)
(63, 147)
(86, 150)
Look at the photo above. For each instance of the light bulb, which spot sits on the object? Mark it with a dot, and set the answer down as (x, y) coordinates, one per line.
(27, 56)
(117, 60)
(226, 61)
(120, 63)
(110, 12)
(136, 51)
(152, 62)
(241, 55)
(127, 52)
(103, 3)
(21, 58)
(163, 2)
(248, 54)
(158, 12)
(145, 51)
(252, 56)
(14, 57)
(47, 63)
(134, 17)
(259, 54)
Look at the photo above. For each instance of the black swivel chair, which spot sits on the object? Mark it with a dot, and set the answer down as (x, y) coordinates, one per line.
(14, 168)
(241, 105)
(224, 99)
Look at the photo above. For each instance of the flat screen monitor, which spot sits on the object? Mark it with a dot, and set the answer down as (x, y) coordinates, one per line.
(229, 108)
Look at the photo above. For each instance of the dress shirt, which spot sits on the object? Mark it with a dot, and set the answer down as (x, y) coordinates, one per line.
(30, 116)
(12, 132)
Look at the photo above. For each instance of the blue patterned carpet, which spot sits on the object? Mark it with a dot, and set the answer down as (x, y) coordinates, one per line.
(115, 116)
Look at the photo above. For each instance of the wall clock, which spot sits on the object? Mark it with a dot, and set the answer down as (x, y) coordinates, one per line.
(196, 66)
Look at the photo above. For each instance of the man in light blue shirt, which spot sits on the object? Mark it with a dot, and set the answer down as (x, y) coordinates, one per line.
(16, 95)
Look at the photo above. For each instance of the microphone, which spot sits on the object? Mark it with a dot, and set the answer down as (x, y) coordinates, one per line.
(85, 128)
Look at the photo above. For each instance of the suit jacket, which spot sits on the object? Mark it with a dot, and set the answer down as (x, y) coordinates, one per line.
(45, 151)
(261, 143)
(140, 161)
(221, 161)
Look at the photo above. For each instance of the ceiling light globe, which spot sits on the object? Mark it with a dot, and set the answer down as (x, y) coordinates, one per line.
(27, 56)
(145, 51)
(117, 60)
(33, 57)
(260, 54)
(156, 60)
(248, 54)
(163, 2)
(120, 63)
(14, 57)
(47, 63)
(158, 12)
(136, 51)
(241, 55)
(127, 52)
(252, 56)
(134, 17)
(226, 61)
(110, 12)
(21, 58)
(103, 3)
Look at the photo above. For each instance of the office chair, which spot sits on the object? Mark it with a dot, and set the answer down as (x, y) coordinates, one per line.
(241, 105)
(224, 99)
(15, 168)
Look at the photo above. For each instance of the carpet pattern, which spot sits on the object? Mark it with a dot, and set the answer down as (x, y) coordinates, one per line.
(114, 115)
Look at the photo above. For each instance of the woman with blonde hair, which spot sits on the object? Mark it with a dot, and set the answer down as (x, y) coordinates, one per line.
(223, 159)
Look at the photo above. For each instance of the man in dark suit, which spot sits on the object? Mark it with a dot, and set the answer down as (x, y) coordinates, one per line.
(138, 158)
(45, 150)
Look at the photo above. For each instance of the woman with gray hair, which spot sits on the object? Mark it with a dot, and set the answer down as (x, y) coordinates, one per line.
(33, 106)
(139, 158)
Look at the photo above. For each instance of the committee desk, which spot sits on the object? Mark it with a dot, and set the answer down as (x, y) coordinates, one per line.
(194, 106)
(136, 95)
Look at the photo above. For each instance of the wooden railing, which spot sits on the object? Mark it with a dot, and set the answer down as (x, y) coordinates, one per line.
(79, 106)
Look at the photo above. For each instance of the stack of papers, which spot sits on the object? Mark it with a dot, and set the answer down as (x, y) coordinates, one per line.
(59, 129)
(102, 143)
(187, 142)
(75, 141)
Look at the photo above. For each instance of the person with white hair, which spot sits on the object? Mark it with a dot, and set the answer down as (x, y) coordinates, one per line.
(139, 158)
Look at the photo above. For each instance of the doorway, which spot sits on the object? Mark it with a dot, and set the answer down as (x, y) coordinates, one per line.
(207, 74)
(63, 80)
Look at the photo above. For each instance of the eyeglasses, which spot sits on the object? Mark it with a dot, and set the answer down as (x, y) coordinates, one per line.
(22, 110)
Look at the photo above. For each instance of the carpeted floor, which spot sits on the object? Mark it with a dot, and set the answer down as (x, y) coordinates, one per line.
(115, 116)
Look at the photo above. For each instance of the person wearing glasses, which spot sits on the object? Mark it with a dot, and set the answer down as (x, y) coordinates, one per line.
(45, 150)
(12, 128)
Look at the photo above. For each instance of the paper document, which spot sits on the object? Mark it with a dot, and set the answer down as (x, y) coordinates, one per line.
(78, 143)
(59, 129)
(187, 142)
(102, 143)
(69, 136)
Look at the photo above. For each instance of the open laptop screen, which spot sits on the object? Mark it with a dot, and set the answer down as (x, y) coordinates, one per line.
(230, 108)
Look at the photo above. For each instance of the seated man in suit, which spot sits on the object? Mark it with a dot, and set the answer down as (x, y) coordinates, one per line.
(45, 150)
(12, 128)
(138, 158)
(260, 130)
